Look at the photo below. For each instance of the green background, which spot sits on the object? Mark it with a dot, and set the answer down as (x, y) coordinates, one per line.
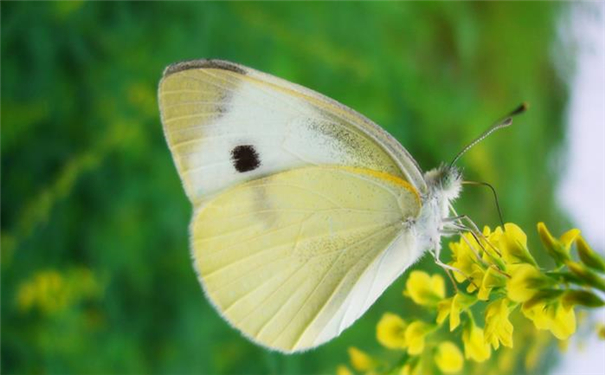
(89, 190)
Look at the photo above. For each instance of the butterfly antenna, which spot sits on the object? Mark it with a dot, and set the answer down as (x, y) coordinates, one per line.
(481, 183)
(507, 121)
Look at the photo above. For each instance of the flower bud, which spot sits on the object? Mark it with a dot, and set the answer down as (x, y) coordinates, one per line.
(555, 248)
(583, 298)
(586, 275)
(588, 256)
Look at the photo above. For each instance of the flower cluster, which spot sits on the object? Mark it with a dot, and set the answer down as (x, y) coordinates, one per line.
(493, 274)
(50, 291)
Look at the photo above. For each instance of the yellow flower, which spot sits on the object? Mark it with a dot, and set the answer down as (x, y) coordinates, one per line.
(525, 282)
(444, 309)
(47, 291)
(492, 279)
(568, 238)
(558, 249)
(413, 366)
(415, 334)
(498, 328)
(475, 347)
(390, 331)
(536, 312)
(343, 370)
(52, 292)
(360, 360)
(512, 243)
(554, 316)
(465, 259)
(449, 358)
(425, 290)
(475, 277)
(452, 307)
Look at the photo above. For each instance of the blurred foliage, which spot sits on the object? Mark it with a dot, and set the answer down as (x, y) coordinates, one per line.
(89, 189)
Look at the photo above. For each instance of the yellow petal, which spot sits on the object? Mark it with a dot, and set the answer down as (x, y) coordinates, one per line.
(568, 238)
(464, 258)
(498, 328)
(475, 276)
(449, 358)
(492, 279)
(557, 250)
(563, 323)
(455, 313)
(343, 370)
(438, 286)
(514, 232)
(414, 336)
(390, 331)
(425, 290)
(554, 316)
(460, 303)
(475, 347)
(545, 236)
(513, 246)
(588, 256)
(537, 314)
(443, 309)
(360, 360)
(523, 282)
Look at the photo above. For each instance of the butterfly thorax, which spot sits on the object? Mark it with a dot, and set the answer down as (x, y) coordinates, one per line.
(443, 186)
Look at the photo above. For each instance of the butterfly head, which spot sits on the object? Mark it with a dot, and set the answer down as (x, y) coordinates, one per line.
(443, 186)
(445, 181)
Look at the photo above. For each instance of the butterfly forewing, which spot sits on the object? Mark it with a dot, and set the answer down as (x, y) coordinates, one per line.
(213, 110)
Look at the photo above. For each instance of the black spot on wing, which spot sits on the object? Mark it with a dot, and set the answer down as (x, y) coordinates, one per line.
(203, 64)
(245, 158)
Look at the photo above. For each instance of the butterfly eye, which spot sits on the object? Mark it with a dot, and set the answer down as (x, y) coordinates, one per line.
(245, 158)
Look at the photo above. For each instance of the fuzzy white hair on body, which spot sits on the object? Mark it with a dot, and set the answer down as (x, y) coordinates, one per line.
(444, 185)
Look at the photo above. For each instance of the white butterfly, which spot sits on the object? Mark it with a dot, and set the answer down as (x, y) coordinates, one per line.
(305, 211)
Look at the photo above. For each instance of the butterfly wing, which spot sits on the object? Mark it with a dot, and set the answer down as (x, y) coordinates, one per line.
(292, 259)
(301, 204)
(227, 124)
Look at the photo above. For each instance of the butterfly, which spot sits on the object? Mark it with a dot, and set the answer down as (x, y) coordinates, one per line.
(304, 211)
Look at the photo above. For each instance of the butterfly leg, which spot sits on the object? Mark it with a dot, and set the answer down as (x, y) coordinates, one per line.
(474, 231)
(448, 269)
(477, 235)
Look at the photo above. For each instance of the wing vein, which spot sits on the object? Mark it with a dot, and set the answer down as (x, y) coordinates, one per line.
(342, 251)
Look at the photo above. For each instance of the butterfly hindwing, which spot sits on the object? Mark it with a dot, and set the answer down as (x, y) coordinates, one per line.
(294, 258)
